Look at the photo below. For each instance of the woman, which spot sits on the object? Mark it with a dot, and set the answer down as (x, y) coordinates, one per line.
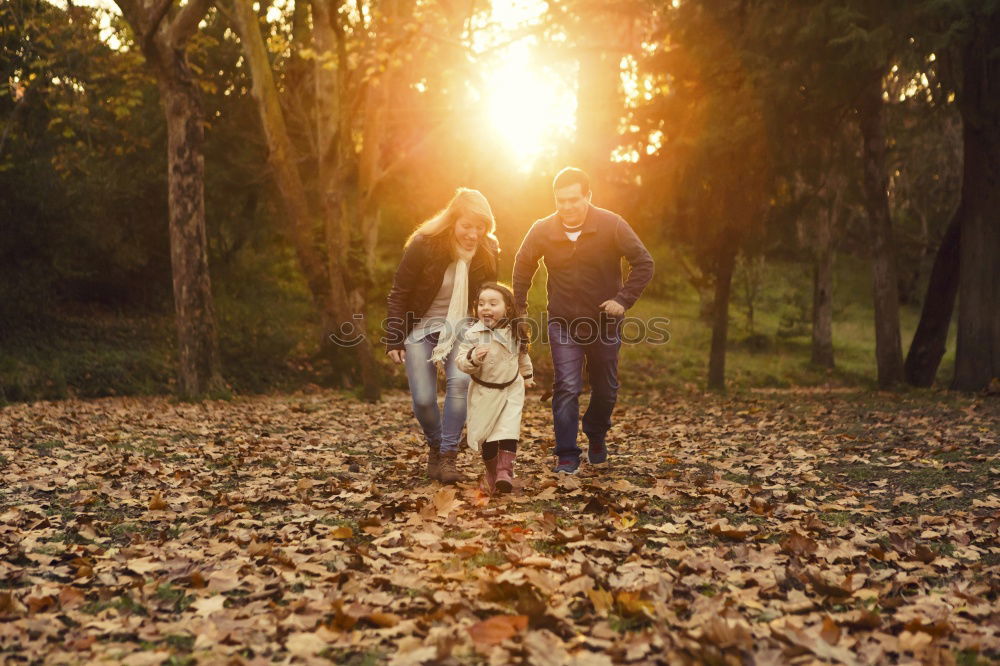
(444, 262)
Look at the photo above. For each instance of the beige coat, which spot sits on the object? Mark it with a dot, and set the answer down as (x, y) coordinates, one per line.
(493, 414)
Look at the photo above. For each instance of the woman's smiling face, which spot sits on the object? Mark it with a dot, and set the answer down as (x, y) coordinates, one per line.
(469, 231)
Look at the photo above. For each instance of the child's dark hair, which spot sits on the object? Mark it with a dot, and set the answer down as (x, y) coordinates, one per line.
(515, 318)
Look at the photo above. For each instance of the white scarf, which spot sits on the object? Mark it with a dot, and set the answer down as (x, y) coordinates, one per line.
(458, 306)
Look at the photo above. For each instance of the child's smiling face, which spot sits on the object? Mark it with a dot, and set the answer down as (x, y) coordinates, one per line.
(491, 308)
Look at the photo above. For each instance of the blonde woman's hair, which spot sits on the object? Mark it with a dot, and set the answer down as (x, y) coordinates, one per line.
(465, 203)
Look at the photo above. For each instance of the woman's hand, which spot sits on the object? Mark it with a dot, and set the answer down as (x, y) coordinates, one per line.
(480, 352)
(398, 355)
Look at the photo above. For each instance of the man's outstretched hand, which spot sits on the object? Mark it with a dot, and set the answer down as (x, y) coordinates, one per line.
(613, 308)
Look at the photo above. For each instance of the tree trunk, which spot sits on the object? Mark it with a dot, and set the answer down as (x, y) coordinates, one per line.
(197, 341)
(162, 41)
(888, 346)
(720, 318)
(977, 357)
(325, 277)
(358, 296)
(341, 215)
(281, 154)
(929, 340)
(822, 314)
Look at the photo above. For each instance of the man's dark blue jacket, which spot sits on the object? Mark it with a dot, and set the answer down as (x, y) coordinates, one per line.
(584, 273)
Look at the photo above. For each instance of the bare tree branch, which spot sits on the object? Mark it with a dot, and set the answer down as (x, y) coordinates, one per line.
(397, 164)
(153, 23)
(186, 22)
(130, 10)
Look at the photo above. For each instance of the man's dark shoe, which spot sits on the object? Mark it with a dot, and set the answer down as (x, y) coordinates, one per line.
(567, 465)
(597, 452)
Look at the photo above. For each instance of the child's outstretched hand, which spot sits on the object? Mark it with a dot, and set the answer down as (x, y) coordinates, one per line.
(529, 382)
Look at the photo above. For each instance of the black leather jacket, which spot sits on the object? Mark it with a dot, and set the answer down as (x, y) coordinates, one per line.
(418, 278)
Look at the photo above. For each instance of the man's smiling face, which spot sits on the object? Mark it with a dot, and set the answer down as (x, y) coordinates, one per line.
(572, 204)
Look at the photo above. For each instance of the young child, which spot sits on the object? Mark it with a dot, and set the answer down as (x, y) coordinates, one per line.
(495, 354)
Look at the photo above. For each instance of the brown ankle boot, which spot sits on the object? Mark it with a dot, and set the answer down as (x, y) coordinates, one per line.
(433, 463)
(488, 484)
(505, 471)
(448, 472)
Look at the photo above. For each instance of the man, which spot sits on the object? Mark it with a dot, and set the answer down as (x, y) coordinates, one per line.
(582, 246)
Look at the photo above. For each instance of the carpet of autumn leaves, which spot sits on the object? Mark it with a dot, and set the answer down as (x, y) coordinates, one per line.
(791, 527)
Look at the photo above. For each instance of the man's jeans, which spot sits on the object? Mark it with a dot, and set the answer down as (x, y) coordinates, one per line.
(422, 376)
(568, 353)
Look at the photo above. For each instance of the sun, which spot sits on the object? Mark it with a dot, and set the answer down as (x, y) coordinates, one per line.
(530, 107)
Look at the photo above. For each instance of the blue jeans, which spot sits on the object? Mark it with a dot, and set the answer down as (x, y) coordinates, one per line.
(422, 376)
(567, 364)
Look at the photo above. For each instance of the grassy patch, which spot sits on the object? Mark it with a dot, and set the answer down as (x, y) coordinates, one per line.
(339, 521)
(742, 479)
(267, 339)
(57, 508)
(971, 658)
(48, 447)
(492, 558)
(176, 597)
(858, 473)
(459, 534)
(744, 518)
(624, 624)
(353, 658)
(548, 547)
(124, 604)
(840, 518)
(176, 642)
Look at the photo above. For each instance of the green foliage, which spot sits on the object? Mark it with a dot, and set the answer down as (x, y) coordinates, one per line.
(775, 356)
(267, 341)
(78, 194)
(754, 102)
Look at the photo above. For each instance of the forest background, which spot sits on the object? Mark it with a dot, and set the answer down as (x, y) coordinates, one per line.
(193, 197)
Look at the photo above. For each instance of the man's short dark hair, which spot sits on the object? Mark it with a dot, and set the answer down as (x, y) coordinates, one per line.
(570, 176)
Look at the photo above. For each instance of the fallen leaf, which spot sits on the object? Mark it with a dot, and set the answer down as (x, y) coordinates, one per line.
(342, 532)
(830, 632)
(383, 619)
(601, 599)
(305, 644)
(497, 629)
(157, 503)
(444, 500)
(799, 545)
(209, 605)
